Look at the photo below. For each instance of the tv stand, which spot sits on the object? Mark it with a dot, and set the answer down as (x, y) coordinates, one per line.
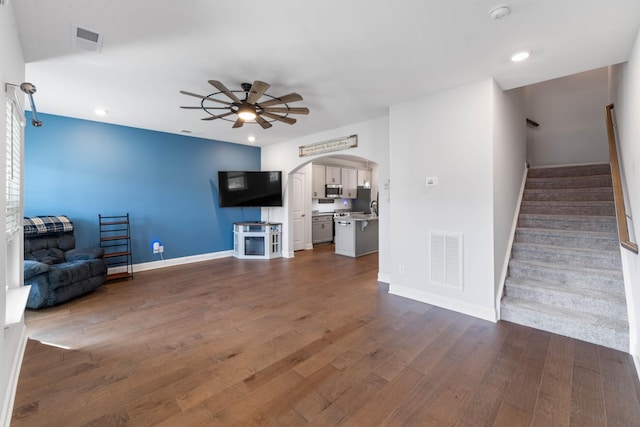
(257, 240)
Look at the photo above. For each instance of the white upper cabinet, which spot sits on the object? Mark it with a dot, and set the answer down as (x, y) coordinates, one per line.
(349, 182)
(363, 176)
(333, 175)
(317, 181)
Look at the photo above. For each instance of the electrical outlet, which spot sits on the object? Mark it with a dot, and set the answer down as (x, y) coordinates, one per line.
(160, 249)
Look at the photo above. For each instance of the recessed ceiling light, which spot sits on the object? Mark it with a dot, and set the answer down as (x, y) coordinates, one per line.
(100, 112)
(499, 12)
(251, 139)
(520, 56)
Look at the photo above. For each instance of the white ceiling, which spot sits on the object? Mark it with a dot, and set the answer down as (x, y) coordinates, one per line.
(349, 59)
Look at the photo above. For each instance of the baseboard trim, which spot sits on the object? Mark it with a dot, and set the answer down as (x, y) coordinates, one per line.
(14, 373)
(171, 262)
(473, 310)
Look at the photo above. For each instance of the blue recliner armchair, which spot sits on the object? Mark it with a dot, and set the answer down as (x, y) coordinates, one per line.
(54, 268)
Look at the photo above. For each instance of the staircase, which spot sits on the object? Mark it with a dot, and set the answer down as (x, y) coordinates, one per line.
(565, 273)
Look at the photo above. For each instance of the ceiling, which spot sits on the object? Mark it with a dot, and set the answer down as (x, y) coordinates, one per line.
(350, 60)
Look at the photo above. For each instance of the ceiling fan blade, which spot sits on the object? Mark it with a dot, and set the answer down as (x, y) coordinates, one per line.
(287, 120)
(208, 108)
(293, 110)
(222, 88)
(220, 116)
(258, 89)
(184, 92)
(262, 122)
(238, 123)
(292, 97)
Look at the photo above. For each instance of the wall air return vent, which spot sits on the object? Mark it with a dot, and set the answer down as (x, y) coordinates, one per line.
(85, 39)
(446, 259)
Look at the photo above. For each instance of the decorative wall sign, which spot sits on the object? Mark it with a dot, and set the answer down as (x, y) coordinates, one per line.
(328, 146)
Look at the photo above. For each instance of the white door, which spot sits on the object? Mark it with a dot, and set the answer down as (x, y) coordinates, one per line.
(298, 210)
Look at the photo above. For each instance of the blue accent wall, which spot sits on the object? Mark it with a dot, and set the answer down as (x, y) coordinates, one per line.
(167, 183)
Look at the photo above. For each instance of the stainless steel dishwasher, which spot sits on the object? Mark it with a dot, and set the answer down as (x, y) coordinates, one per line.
(345, 237)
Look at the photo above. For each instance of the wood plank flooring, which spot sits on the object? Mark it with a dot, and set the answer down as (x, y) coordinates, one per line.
(308, 341)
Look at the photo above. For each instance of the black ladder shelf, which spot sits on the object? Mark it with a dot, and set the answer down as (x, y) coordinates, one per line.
(115, 239)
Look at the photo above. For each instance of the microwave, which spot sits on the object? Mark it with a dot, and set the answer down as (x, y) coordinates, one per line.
(332, 191)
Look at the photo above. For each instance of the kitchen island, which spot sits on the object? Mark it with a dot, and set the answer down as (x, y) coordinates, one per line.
(356, 235)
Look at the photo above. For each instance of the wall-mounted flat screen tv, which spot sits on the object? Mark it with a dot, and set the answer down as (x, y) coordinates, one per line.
(250, 188)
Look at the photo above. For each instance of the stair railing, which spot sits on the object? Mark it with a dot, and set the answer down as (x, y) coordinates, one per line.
(618, 195)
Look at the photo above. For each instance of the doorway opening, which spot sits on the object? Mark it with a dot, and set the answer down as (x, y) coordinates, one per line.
(314, 204)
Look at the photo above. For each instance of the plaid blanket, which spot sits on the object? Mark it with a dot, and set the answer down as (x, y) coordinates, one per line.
(46, 224)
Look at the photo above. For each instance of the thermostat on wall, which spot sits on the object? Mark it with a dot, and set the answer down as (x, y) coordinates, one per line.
(431, 181)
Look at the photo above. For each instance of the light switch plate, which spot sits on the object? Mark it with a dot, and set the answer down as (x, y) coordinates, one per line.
(431, 181)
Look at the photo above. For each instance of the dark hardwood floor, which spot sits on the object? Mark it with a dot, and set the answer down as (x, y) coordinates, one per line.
(299, 342)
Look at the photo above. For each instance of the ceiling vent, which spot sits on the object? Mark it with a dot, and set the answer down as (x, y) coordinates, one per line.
(85, 39)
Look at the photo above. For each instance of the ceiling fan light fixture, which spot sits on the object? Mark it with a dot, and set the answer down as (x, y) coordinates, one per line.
(250, 109)
(247, 113)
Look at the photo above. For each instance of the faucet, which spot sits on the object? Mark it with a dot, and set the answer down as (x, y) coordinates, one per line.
(374, 207)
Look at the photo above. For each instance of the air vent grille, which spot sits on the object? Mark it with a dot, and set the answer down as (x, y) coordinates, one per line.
(87, 35)
(86, 39)
(446, 259)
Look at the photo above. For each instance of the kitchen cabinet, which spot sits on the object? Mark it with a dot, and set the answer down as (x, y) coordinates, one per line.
(349, 182)
(363, 176)
(317, 181)
(322, 228)
(333, 175)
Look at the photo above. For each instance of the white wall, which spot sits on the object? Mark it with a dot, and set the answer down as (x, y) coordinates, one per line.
(448, 135)
(12, 70)
(373, 142)
(509, 168)
(626, 98)
(570, 111)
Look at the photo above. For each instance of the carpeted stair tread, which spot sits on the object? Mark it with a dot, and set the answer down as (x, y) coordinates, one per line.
(568, 238)
(571, 276)
(590, 181)
(560, 207)
(596, 302)
(579, 170)
(584, 257)
(568, 222)
(595, 329)
(558, 217)
(595, 234)
(568, 194)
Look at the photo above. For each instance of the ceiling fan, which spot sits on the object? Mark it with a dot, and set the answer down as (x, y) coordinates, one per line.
(249, 109)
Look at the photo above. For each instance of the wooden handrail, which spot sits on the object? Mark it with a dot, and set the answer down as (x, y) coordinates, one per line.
(618, 195)
(532, 123)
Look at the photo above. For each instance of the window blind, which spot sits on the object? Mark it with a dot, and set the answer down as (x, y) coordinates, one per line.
(13, 169)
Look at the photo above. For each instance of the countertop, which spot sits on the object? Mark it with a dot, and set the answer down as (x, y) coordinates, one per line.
(359, 217)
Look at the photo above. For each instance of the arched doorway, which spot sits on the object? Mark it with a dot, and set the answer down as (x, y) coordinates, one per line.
(358, 171)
